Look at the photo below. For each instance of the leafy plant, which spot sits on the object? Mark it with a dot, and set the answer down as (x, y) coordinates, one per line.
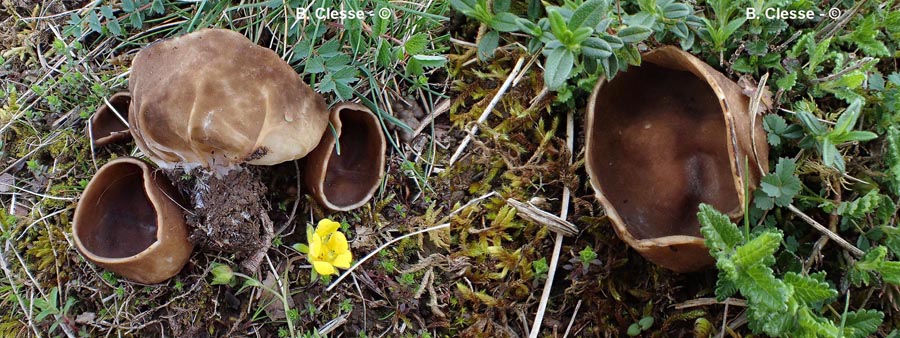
(642, 325)
(875, 261)
(826, 141)
(780, 307)
(50, 307)
(778, 188)
(779, 131)
(726, 22)
(581, 38)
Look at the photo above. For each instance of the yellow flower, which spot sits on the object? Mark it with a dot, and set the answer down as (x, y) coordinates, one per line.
(328, 248)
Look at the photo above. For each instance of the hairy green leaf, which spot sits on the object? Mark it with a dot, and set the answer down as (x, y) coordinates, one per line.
(634, 34)
(807, 289)
(778, 129)
(557, 67)
(588, 14)
(758, 249)
(860, 324)
(759, 285)
(718, 230)
(782, 185)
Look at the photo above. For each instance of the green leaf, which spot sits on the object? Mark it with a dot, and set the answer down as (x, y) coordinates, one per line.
(432, 61)
(778, 129)
(634, 34)
(759, 285)
(114, 27)
(787, 82)
(501, 6)
(128, 6)
(853, 136)
(136, 19)
(890, 272)
(860, 207)
(815, 127)
(614, 41)
(892, 158)
(107, 12)
(831, 156)
(758, 249)
(505, 22)
(861, 324)
(596, 48)
(558, 67)
(529, 27)
(315, 65)
(633, 330)
(581, 34)
(720, 233)
(416, 44)
(782, 185)
(557, 23)
(94, 22)
(848, 119)
(587, 15)
(807, 289)
(677, 11)
(865, 36)
(488, 44)
(463, 6)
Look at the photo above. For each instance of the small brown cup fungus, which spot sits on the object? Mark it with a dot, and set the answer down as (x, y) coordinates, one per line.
(108, 127)
(215, 99)
(127, 221)
(663, 138)
(346, 178)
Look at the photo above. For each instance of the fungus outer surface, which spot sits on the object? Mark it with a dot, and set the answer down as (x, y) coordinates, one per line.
(214, 98)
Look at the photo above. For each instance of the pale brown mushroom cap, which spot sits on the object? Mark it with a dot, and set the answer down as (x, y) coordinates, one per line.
(663, 138)
(214, 98)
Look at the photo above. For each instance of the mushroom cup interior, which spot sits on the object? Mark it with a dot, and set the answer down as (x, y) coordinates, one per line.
(109, 123)
(120, 220)
(350, 175)
(659, 149)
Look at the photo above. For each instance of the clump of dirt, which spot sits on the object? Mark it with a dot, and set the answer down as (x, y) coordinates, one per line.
(230, 214)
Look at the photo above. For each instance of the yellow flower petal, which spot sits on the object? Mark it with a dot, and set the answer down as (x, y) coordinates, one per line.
(326, 227)
(324, 268)
(316, 248)
(338, 242)
(343, 260)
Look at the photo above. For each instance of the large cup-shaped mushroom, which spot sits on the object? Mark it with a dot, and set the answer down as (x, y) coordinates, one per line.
(106, 125)
(128, 221)
(346, 178)
(663, 138)
(214, 98)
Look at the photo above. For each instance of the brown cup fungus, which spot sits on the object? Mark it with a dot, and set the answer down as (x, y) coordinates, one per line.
(108, 126)
(344, 175)
(215, 99)
(662, 138)
(128, 221)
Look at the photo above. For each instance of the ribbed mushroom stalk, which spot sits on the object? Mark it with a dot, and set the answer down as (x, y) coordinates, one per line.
(663, 138)
(129, 220)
